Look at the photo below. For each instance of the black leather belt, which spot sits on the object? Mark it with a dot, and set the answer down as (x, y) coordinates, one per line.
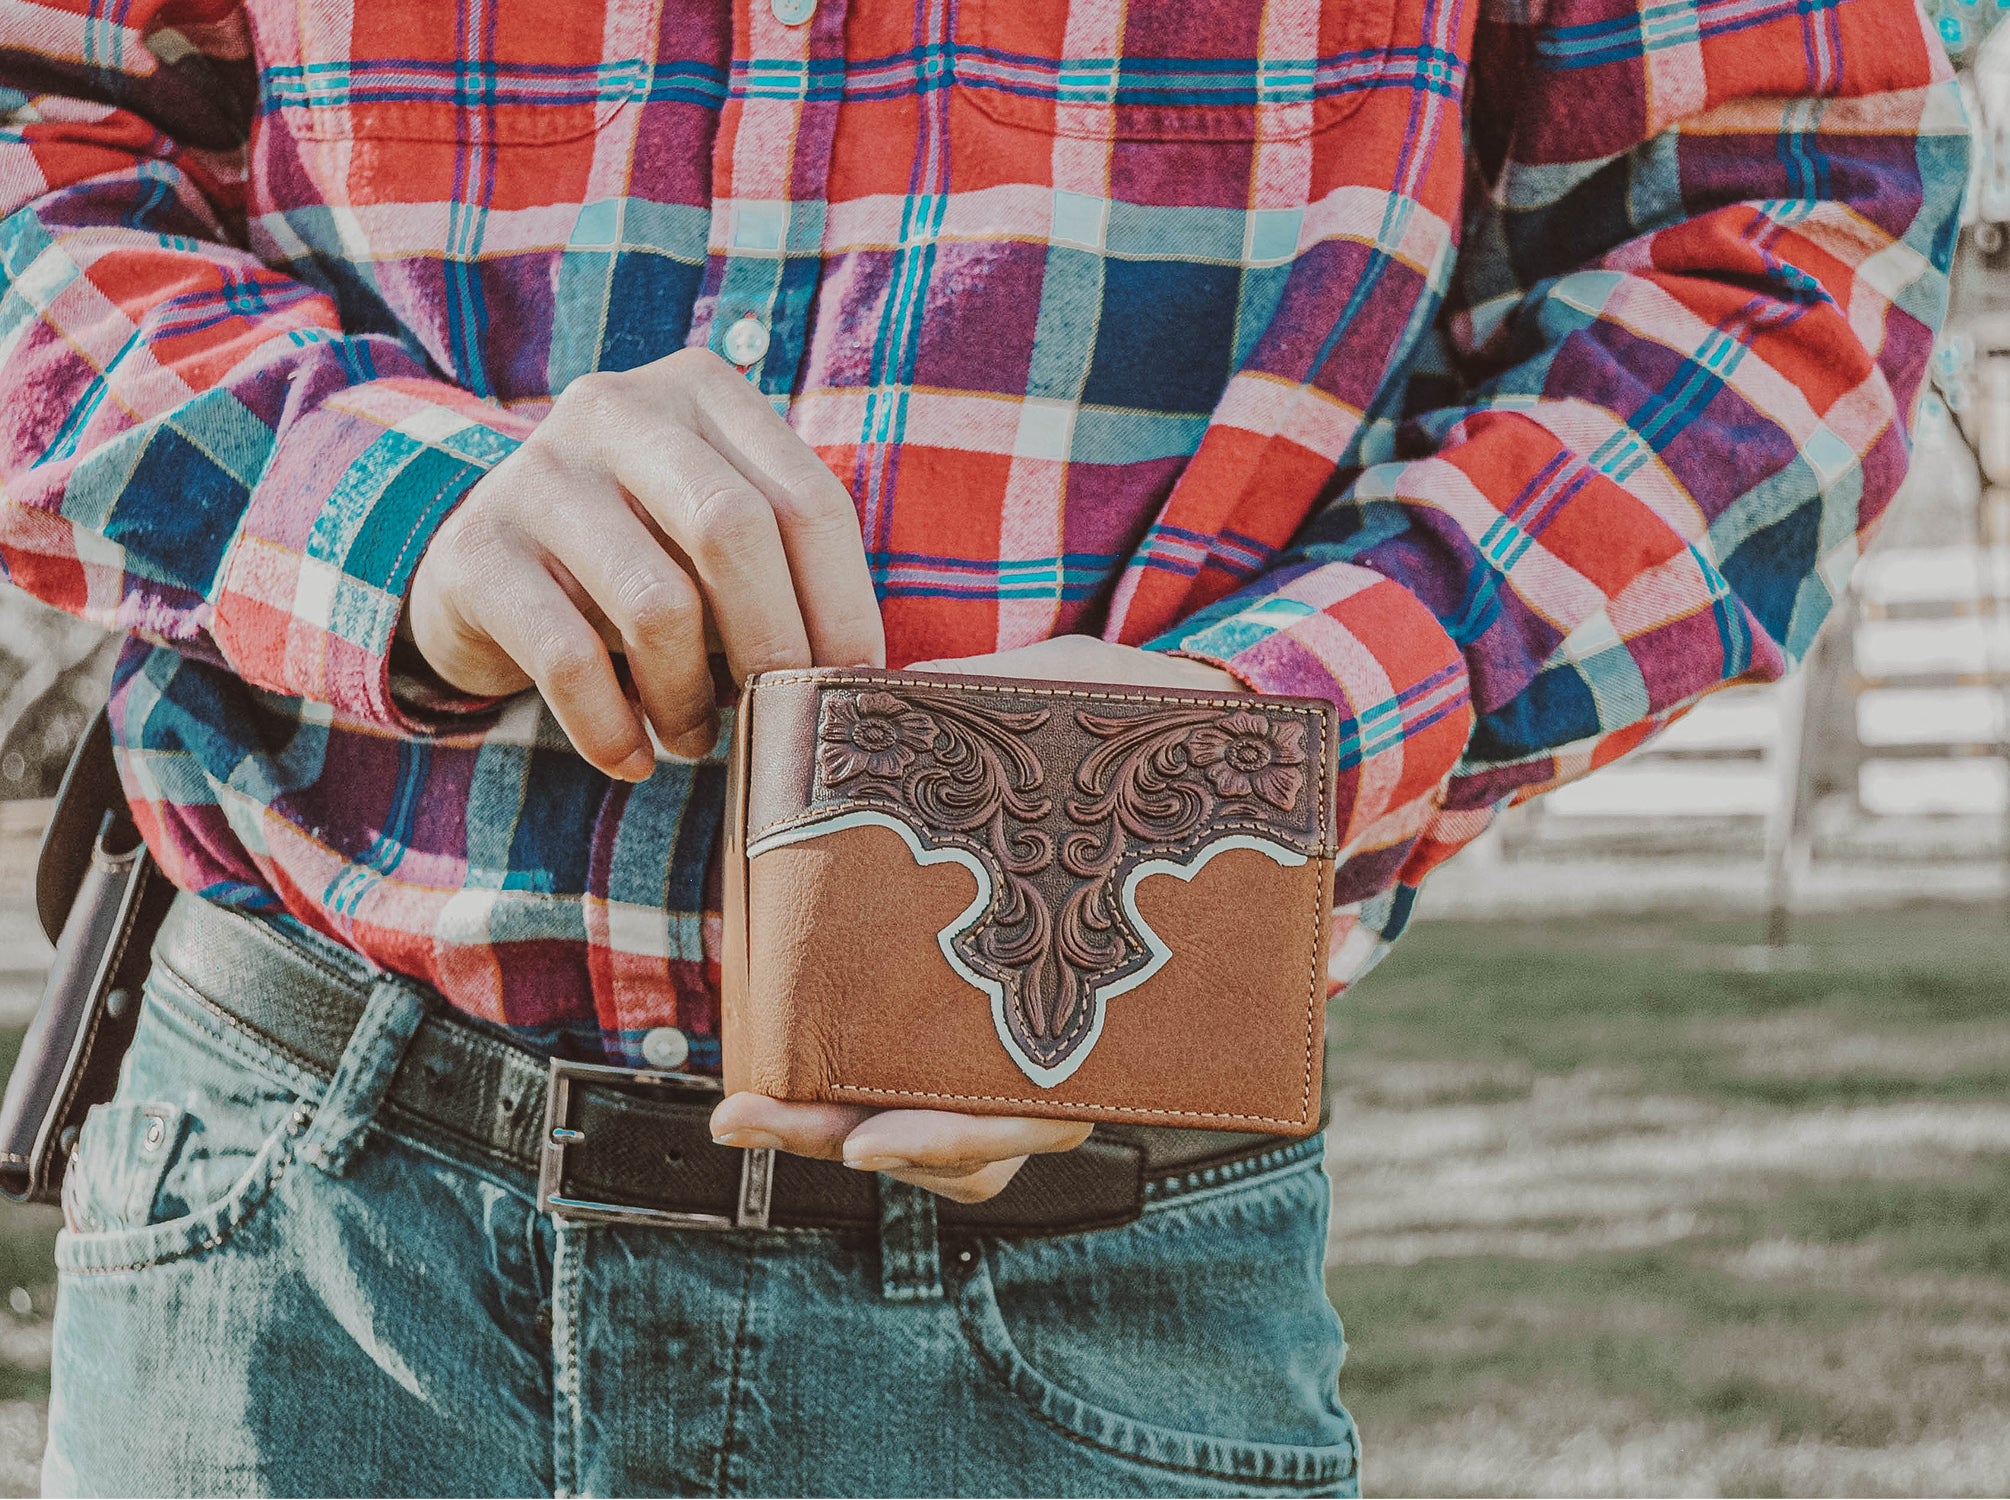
(621, 1145)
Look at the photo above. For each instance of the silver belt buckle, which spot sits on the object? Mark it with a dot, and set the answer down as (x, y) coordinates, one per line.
(757, 1168)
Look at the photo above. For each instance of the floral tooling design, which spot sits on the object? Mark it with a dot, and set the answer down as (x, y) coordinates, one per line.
(1246, 753)
(1153, 781)
(874, 734)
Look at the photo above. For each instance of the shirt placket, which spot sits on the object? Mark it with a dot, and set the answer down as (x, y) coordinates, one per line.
(771, 167)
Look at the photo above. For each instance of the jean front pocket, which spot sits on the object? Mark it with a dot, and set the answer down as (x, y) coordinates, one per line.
(1193, 1351)
(186, 1152)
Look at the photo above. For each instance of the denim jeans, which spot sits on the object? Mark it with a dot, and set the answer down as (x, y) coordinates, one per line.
(268, 1289)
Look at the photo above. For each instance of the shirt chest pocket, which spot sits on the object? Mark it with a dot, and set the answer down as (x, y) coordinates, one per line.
(477, 73)
(1194, 71)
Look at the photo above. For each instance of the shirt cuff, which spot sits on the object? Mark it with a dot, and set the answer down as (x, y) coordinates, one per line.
(315, 581)
(1370, 647)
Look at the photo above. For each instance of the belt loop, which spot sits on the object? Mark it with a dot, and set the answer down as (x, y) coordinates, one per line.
(363, 1075)
(910, 1259)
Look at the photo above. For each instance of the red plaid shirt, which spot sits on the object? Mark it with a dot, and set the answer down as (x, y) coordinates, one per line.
(1510, 372)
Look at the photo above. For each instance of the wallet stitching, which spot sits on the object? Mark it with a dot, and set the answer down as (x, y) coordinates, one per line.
(1315, 849)
(1138, 1111)
(897, 679)
(1312, 978)
(1321, 890)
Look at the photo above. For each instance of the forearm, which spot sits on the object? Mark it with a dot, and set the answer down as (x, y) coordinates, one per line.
(1687, 350)
(195, 450)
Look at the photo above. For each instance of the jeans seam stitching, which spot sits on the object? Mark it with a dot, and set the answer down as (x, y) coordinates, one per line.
(1046, 1419)
(1257, 1171)
(251, 1200)
(727, 1433)
(566, 1393)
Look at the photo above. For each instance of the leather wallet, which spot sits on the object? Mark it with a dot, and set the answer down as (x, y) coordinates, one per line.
(1000, 896)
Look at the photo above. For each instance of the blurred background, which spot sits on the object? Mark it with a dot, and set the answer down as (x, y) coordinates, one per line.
(1671, 1150)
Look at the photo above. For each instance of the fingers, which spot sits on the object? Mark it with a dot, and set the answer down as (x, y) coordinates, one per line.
(746, 500)
(966, 1157)
(730, 533)
(970, 1187)
(532, 619)
(653, 610)
(897, 1140)
(753, 479)
(753, 1121)
(650, 508)
(818, 523)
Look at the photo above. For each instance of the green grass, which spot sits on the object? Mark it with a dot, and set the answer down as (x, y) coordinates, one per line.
(1559, 997)
(27, 1261)
(27, 1231)
(1959, 1228)
(1826, 1312)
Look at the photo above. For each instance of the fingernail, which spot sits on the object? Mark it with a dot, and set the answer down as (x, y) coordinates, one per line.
(695, 745)
(638, 767)
(879, 1163)
(749, 1140)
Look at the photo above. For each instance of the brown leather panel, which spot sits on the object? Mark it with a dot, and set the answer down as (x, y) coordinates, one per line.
(783, 750)
(851, 999)
(733, 1016)
(830, 951)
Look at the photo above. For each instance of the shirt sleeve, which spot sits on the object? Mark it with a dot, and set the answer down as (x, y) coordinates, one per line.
(1704, 257)
(192, 448)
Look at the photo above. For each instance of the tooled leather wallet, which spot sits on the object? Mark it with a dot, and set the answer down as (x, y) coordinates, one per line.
(999, 896)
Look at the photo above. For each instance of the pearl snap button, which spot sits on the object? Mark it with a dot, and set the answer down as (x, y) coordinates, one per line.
(665, 1047)
(746, 341)
(793, 12)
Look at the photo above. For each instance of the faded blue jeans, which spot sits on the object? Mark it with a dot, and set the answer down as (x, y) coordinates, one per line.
(267, 1290)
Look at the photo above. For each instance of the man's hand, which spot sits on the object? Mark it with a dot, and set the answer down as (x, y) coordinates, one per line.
(965, 1157)
(651, 509)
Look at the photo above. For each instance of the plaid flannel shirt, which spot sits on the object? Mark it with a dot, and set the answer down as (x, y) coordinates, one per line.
(1509, 372)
